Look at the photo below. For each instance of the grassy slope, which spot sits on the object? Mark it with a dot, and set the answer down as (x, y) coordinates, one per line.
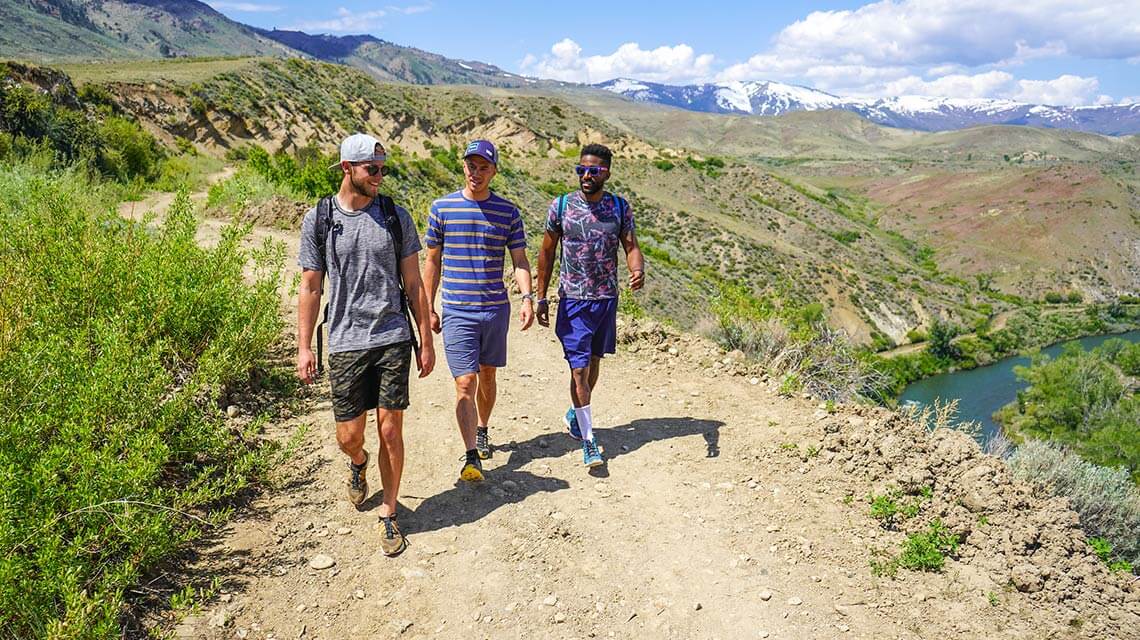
(127, 30)
(780, 242)
(780, 236)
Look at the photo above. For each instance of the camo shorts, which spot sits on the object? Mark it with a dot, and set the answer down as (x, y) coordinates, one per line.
(370, 378)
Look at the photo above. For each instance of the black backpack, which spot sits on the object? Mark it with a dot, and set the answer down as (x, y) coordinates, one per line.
(324, 224)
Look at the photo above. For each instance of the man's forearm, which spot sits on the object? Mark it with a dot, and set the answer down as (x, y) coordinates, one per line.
(422, 310)
(635, 260)
(522, 277)
(545, 264)
(433, 265)
(308, 307)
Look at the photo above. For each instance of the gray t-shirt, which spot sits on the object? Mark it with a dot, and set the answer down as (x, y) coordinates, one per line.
(364, 294)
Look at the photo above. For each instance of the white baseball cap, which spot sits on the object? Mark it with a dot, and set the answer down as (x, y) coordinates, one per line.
(360, 147)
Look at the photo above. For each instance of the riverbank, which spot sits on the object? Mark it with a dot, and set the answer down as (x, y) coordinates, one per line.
(1028, 329)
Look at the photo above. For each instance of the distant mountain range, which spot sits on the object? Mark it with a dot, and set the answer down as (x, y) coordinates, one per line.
(54, 31)
(51, 31)
(908, 112)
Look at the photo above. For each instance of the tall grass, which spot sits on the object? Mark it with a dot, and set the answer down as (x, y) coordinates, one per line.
(794, 344)
(1106, 499)
(115, 340)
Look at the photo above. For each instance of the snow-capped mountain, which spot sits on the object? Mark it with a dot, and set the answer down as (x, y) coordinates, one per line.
(910, 112)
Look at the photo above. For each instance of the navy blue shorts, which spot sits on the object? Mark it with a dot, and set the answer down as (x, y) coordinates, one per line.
(474, 336)
(586, 328)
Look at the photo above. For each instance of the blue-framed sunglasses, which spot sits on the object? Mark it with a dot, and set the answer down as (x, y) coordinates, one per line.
(583, 170)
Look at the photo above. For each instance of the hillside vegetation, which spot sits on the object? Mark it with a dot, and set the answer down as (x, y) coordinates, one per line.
(779, 238)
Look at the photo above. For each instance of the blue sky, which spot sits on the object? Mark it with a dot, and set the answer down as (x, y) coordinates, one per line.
(1051, 51)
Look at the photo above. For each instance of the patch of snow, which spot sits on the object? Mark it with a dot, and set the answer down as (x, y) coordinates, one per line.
(734, 96)
(466, 67)
(624, 85)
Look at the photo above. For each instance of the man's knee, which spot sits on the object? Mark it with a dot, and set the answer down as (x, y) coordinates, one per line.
(350, 434)
(580, 377)
(466, 385)
(391, 426)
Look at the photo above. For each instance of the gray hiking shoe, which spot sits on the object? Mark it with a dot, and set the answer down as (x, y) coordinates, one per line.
(483, 443)
(358, 481)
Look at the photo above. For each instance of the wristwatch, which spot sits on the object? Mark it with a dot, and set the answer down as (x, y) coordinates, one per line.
(528, 296)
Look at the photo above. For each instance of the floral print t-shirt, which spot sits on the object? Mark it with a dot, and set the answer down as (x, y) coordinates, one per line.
(590, 242)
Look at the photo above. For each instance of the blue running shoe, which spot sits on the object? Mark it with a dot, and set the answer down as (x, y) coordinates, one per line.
(571, 422)
(591, 457)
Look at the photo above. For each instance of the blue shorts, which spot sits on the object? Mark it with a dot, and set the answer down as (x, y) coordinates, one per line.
(587, 328)
(474, 336)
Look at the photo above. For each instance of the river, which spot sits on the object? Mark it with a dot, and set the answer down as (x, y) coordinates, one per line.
(982, 391)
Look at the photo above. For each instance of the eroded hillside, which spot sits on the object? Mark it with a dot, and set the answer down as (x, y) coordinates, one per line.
(868, 251)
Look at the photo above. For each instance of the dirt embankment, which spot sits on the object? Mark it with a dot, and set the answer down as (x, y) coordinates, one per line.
(724, 511)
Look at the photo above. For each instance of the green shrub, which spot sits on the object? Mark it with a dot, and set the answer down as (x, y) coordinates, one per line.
(663, 165)
(940, 336)
(113, 450)
(306, 173)
(927, 550)
(794, 343)
(1106, 499)
(1079, 399)
(1054, 297)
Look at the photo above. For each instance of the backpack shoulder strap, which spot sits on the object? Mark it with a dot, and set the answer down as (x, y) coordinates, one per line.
(561, 208)
(321, 227)
(396, 228)
(323, 223)
(622, 206)
(392, 221)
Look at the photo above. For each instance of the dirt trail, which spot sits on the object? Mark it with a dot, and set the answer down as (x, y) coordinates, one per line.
(704, 523)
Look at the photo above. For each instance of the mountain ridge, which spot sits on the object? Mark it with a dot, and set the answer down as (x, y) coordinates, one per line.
(922, 113)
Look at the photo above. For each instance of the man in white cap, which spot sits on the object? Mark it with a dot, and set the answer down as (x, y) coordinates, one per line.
(368, 248)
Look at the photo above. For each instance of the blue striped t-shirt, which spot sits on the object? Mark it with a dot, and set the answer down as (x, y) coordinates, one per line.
(474, 235)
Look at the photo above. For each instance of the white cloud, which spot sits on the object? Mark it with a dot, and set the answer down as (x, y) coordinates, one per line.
(411, 10)
(346, 22)
(881, 47)
(677, 64)
(981, 85)
(952, 48)
(1066, 90)
(247, 7)
(967, 32)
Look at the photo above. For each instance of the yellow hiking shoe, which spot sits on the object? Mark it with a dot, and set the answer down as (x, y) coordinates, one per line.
(472, 470)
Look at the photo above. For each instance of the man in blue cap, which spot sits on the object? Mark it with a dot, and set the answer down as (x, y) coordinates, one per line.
(369, 249)
(468, 233)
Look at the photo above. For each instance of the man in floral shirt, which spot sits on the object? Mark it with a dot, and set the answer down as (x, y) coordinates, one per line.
(589, 224)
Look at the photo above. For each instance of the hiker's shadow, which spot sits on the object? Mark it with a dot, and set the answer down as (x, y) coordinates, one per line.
(510, 483)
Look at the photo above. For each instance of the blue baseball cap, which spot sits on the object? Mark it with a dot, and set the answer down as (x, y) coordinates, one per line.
(484, 149)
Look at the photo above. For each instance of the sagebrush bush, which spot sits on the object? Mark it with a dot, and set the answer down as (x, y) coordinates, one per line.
(1106, 499)
(797, 346)
(113, 451)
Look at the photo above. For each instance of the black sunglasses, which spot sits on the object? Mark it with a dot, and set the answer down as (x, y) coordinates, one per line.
(582, 170)
(373, 169)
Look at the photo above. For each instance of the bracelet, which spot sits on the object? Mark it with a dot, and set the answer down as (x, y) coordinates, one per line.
(542, 301)
(528, 296)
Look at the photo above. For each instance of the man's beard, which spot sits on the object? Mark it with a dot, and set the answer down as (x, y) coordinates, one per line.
(597, 186)
(362, 188)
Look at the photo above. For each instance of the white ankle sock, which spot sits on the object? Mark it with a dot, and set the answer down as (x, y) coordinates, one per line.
(585, 422)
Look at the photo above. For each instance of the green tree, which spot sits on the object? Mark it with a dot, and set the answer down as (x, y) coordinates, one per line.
(939, 339)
